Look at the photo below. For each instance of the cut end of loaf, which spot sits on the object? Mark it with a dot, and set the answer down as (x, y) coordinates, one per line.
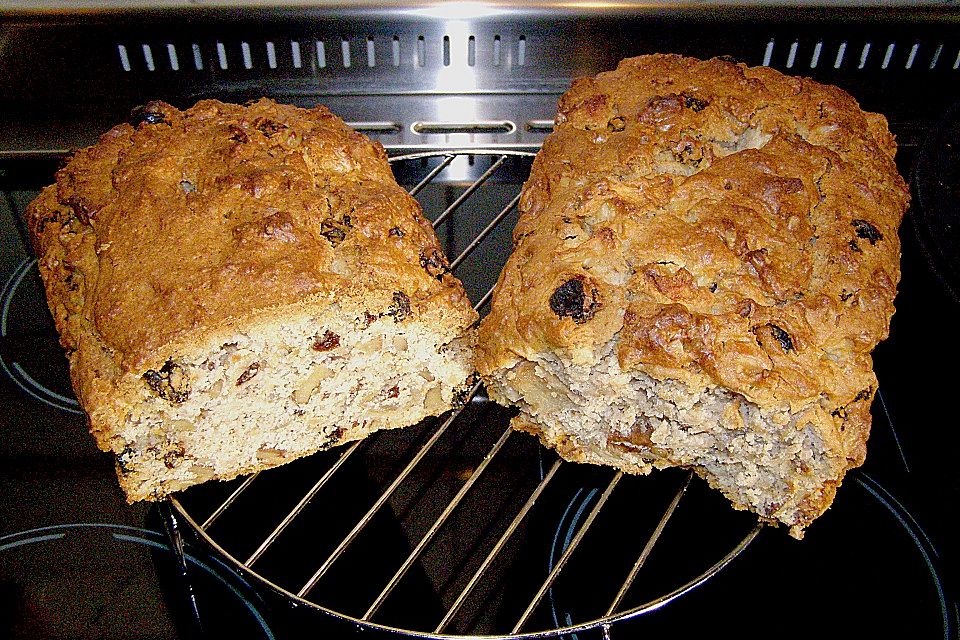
(762, 460)
(278, 391)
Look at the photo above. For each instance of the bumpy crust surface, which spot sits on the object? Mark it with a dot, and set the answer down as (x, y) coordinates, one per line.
(168, 234)
(724, 226)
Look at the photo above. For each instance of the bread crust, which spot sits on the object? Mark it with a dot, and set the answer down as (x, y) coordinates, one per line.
(171, 234)
(725, 226)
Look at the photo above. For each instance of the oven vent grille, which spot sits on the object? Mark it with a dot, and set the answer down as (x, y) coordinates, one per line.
(312, 54)
(802, 54)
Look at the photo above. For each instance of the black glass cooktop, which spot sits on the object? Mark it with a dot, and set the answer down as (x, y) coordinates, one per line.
(77, 561)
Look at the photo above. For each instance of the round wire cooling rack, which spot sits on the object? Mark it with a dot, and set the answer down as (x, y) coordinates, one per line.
(462, 527)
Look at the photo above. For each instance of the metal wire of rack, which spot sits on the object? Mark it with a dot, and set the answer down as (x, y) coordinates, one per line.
(508, 530)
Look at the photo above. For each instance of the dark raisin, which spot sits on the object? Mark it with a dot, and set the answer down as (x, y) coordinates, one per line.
(237, 134)
(329, 340)
(864, 395)
(393, 391)
(845, 295)
(249, 374)
(170, 383)
(334, 230)
(617, 124)
(368, 319)
(400, 308)
(695, 103)
(334, 438)
(782, 337)
(397, 232)
(688, 155)
(150, 113)
(855, 247)
(82, 210)
(714, 287)
(571, 300)
(840, 412)
(867, 231)
(335, 235)
(172, 457)
(435, 264)
(268, 128)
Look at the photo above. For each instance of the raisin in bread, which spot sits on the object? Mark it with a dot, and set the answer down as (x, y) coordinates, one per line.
(239, 286)
(706, 256)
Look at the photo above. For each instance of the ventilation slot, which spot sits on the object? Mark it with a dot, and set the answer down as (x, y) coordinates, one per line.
(271, 56)
(345, 52)
(174, 60)
(375, 127)
(446, 51)
(148, 57)
(522, 51)
(815, 58)
(864, 54)
(792, 55)
(396, 51)
(197, 57)
(421, 52)
(247, 58)
(295, 54)
(540, 126)
(125, 59)
(496, 51)
(321, 55)
(471, 51)
(222, 55)
(768, 53)
(371, 53)
(912, 56)
(499, 126)
(841, 50)
(936, 56)
(888, 55)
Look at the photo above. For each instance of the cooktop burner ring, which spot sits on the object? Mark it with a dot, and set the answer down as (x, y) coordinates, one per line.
(11, 366)
(121, 543)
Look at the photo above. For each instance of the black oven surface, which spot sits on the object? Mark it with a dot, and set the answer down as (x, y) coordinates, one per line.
(77, 561)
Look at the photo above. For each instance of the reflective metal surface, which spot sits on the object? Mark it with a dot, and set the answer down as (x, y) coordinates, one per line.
(442, 75)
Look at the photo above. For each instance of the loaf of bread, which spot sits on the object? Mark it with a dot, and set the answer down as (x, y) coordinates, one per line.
(239, 286)
(706, 256)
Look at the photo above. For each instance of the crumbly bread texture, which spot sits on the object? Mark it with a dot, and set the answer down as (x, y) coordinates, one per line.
(705, 258)
(239, 286)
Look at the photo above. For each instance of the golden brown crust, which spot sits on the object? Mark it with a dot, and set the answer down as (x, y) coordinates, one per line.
(195, 221)
(727, 226)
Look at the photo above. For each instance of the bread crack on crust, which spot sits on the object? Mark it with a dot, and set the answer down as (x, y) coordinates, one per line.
(240, 286)
(706, 256)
